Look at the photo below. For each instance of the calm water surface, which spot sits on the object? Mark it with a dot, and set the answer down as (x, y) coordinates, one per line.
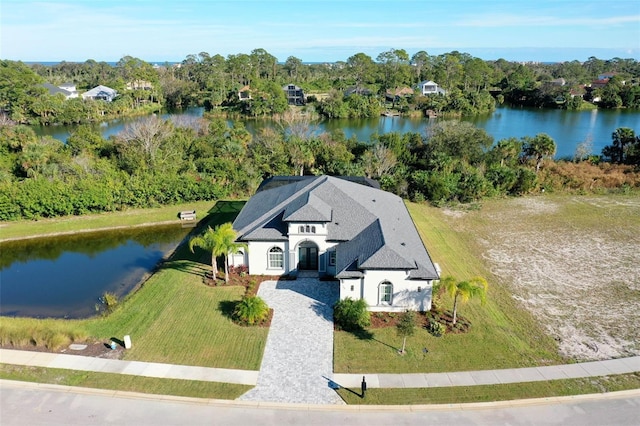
(64, 277)
(567, 128)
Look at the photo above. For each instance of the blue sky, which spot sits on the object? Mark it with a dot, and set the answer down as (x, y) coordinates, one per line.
(329, 30)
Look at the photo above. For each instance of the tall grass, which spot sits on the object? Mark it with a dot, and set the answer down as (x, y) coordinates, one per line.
(51, 334)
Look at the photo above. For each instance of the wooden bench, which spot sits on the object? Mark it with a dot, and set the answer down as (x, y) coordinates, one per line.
(187, 215)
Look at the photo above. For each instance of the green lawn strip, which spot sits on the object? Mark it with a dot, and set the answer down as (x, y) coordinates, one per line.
(122, 382)
(501, 336)
(172, 318)
(133, 217)
(486, 393)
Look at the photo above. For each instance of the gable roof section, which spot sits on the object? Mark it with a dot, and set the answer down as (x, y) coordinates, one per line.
(307, 208)
(100, 91)
(263, 208)
(54, 90)
(372, 227)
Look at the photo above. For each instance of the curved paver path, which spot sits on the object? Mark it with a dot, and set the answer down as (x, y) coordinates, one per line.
(297, 363)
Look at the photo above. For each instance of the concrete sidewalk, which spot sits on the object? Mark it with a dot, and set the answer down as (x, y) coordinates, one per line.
(492, 377)
(249, 377)
(134, 368)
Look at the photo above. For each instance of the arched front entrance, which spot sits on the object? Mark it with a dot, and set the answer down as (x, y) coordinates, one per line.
(307, 256)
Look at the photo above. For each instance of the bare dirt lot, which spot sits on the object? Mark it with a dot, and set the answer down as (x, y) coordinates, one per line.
(573, 261)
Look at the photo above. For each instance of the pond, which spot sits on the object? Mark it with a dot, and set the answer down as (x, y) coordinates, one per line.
(567, 128)
(65, 276)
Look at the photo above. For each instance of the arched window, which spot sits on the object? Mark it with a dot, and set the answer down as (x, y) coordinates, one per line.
(313, 229)
(307, 229)
(385, 291)
(276, 258)
(301, 229)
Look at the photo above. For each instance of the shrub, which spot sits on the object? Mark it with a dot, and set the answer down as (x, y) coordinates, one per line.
(351, 315)
(107, 303)
(436, 329)
(251, 310)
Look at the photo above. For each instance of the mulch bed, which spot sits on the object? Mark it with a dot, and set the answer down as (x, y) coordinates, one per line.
(390, 319)
(94, 349)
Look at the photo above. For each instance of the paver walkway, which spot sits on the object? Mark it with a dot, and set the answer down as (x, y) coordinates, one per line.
(297, 363)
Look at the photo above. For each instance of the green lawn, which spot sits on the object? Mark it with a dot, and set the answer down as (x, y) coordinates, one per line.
(172, 318)
(133, 217)
(502, 335)
(123, 382)
(466, 394)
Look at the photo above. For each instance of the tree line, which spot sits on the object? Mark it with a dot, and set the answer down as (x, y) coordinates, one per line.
(160, 162)
(360, 86)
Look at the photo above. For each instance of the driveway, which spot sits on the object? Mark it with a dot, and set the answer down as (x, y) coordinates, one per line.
(297, 364)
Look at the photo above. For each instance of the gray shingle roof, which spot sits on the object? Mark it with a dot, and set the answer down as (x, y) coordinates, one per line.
(373, 228)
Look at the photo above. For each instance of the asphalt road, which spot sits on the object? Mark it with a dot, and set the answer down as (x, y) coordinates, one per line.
(30, 404)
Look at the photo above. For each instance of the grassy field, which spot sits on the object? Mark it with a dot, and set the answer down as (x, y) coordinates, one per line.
(172, 318)
(502, 335)
(546, 259)
(133, 217)
(467, 394)
(122, 382)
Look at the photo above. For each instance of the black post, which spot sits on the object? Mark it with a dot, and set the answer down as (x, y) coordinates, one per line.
(363, 387)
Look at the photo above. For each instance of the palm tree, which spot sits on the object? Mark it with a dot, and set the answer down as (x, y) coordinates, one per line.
(220, 241)
(209, 241)
(464, 290)
(228, 245)
(539, 147)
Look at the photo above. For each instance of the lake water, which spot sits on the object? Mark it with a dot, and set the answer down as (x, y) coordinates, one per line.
(567, 128)
(64, 277)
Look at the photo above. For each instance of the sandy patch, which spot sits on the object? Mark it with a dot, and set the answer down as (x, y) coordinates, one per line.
(582, 282)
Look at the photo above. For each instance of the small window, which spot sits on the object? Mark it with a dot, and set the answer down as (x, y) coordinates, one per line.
(386, 292)
(276, 258)
(301, 229)
(313, 229)
(332, 258)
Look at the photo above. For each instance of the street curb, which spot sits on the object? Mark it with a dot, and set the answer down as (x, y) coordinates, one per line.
(313, 407)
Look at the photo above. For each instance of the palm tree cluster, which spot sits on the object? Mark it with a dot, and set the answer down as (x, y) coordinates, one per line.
(220, 241)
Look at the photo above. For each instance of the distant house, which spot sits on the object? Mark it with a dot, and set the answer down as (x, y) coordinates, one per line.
(343, 228)
(430, 88)
(578, 91)
(357, 90)
(295, 95)
(244, 94)
(54, 90)
(139, 85)
(558, 82)
(398, 92)
(103, 93)
(606, 75)
(598, 84)
(70, 87)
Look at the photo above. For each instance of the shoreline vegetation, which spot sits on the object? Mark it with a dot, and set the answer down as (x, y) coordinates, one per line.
(259, 85)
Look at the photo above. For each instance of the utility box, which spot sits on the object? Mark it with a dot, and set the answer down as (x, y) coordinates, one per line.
(127, 342)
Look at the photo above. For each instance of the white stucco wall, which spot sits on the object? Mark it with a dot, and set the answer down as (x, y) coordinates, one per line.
(405, 292)
(258, 257)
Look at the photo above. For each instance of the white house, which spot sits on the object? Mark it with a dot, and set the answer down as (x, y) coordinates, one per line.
(430, 88)
(100, 93)
(64, 90)
(345, 228)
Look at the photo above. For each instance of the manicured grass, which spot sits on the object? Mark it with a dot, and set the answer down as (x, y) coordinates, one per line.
(133, 217)
(172, 318)
(502, 335)
(465, 394)
(122, 382)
